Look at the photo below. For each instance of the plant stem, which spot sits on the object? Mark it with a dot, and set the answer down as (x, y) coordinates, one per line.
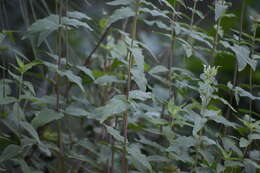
(61, 165)
(129, 83)
(251, 75)
(235, 77)
(193, 13)
(215, 42)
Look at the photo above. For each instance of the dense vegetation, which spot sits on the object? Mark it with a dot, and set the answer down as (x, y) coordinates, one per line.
(136, 86)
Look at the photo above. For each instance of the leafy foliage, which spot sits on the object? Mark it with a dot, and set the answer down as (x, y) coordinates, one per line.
(155, 93)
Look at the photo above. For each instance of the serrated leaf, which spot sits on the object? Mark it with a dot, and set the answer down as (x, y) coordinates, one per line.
(2, 37)
(10, 152)
(136, 154)
(220, 119)
(105, 80)
(75, 23)
(86, 71)
(115, 133)
(139, 78)
(158, 69)
(72, 78)
(77, 15)
(243, 57)
(75, 111)
(243, 142)
(155, 13)
(138, 56)
(139, 95)
(230, 144)
(116, 105)
(120, 14)
(186, 46)
(29, 128)
(44, 117)
(119, 2)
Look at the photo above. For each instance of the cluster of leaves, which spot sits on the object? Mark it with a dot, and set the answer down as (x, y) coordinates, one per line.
(122, 108)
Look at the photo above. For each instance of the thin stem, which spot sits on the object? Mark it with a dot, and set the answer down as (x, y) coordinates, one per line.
(235, 77)
(215, 42)
(193, 13)
(61, 165)
(251, 75)
(129, 83)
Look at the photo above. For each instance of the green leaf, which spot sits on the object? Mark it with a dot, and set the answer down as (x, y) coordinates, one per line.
(75, 23)
(139, 78)
(137, 156)
(10, 152)
(46, 116)
(115, 133)
(105, 80)
(2, 37)
(199, 123)
(120, 14)
(29, 128)
(87, 71)
(73, 78)
(243, 142)
(220, 119)
(119, 2)
(77, 15)
(158, 69)
(154, 13)
(25, 167)
(186, 46)
(230, 144)
(7, 100)
(139, 95)
(182, 143)
(243, 57)
(116, 105)
(75, 111)
(139, 57)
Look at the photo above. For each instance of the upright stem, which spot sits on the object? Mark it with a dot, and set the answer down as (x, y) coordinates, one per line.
(61, 165)
(251, 75)
(235, 77)
(215, 42)
(193, 13)
(129, 83)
